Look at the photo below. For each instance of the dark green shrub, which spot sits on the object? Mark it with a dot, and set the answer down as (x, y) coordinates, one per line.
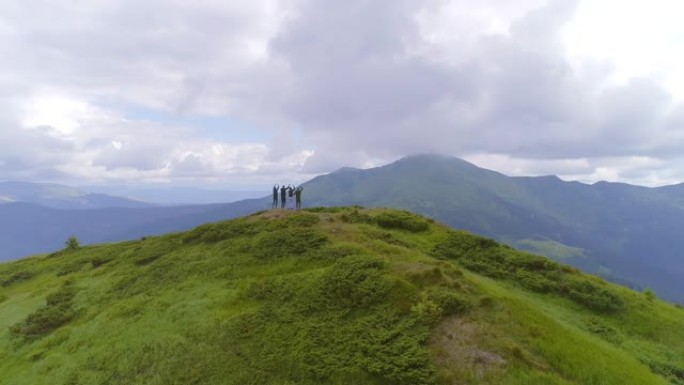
(72, 243)
(385, 347)
(401, 220)
(147, 260)
(278, 289)
(70, 268)
(591, 295)
(218, 232)
(427, 312)
(354, 216)
(486, 301)
(450, 301)
(98, 261)
(532, 262)
(354, 282)
(650, 294)
(287, 241)
(57, 311)
(385, 236)
(17, 277)
(673, 373)
(602, 329)
(392, 352)
(337, 251)
(330, 210)
(536, 282)
(427, 277)
(302, 219)
(460, 245)
(403, 295)
(533, 272)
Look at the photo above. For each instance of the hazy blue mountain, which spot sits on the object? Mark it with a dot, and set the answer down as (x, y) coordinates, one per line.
(171, 195)
(64, 197)
(630, 234)
(27, 228)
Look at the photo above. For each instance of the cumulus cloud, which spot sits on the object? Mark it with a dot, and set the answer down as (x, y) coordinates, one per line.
(325, 84)
(366, 81)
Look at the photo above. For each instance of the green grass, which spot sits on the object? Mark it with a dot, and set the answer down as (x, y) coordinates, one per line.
(326, 296)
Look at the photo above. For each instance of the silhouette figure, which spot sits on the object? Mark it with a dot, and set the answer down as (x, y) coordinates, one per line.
(290, 195)
(283, 195)
(298, 196)
(275, 196)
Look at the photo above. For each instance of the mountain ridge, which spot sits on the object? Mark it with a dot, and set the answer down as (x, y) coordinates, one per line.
(29, 228)
(62, 197)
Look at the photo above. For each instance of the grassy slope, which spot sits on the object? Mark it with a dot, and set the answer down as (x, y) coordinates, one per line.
(337, 296)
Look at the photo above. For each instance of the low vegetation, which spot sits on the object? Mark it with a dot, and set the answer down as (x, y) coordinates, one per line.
(532, 272)
(326, 296)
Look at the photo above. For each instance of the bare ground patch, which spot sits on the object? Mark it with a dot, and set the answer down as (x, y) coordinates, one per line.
(457, 350)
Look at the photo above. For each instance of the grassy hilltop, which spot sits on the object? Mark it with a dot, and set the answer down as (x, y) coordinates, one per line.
(326, 296)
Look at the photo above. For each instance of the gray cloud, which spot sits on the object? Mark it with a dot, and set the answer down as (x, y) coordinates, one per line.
(30, 153)
(357, 87)
(356, 81)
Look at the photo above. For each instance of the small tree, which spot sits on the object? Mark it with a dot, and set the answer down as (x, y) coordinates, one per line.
(72, 243)
(650, 294)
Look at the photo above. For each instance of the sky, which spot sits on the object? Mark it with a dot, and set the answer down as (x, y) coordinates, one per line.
(241, 95)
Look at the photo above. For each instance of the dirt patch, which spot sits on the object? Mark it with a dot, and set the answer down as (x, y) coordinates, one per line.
(276, 213)
(456, 346)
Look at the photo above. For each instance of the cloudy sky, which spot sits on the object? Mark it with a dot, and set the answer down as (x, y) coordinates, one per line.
(247, 93)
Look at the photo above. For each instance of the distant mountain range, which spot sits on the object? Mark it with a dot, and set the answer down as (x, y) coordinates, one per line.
(39, 217)
(628, 234)
(179, 195)
(62, 197)
(27, 228)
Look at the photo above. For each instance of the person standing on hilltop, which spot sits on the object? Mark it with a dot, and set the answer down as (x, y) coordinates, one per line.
(275, 196)
(290, 195)
(283, 195)
(298, 197)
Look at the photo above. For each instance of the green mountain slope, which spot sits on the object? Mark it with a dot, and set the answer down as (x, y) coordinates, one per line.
(326, 296)
(629, 234)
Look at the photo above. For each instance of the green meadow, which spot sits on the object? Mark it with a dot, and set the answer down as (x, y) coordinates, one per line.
(326, 296)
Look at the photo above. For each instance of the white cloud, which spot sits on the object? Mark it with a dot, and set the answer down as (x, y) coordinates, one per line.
(638, 38)
(528, 86)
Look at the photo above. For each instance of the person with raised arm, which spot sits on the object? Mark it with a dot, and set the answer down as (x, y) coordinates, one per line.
(275, 197)
(290, 195)
(283, 196)
(298, 197)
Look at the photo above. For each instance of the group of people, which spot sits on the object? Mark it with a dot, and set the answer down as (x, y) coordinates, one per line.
(287, 193)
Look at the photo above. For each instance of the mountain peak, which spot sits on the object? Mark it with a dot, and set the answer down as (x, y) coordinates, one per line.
(427, 156)
(431, 157)
(435, 159)
(345, 169)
